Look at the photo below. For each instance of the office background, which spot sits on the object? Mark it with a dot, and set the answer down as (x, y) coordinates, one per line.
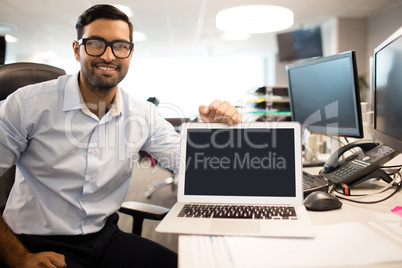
(184, 60)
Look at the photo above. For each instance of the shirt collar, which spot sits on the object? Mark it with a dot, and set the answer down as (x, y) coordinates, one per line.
(115, 108)
(73, 99)
(72, 94)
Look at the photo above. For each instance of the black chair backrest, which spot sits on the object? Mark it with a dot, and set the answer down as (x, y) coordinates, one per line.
(16, 75)
(6, 183)
(12, 77)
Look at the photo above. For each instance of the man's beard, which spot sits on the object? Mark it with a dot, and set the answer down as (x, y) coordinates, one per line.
(99, 84)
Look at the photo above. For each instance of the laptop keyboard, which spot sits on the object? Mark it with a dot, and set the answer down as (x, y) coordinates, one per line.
(239, 212)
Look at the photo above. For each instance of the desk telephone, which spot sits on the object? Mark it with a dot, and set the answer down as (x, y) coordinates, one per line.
(359, 166)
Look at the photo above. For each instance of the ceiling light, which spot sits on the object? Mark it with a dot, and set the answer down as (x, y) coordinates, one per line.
(125, 9)
(139, 36)
(11, 39)
(254, 19)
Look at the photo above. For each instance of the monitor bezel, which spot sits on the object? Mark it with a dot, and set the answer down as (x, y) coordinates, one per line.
(379, 135)
(327, 130)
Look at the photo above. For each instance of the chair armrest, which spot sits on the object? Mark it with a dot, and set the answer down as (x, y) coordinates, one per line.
(147, 211)
(140, 211)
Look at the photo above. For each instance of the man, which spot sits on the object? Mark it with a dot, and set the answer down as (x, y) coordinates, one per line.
(73, 141)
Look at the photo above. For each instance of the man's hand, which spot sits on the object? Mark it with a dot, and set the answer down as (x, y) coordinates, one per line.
(220, 112)
(44, 259)
(14, 254)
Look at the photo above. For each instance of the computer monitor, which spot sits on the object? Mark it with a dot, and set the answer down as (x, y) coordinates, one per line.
(324, 95)
(300, 44)
(388, 91)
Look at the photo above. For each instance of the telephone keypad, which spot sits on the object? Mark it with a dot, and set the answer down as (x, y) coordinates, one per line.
(351, 171)
(348, 170)
(360, 163)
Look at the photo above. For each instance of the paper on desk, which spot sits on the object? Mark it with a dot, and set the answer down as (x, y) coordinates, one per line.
(390, 222)
(344, 244)
(210, 252)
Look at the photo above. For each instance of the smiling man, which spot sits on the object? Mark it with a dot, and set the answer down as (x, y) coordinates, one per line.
(72, 140)
(103, 64)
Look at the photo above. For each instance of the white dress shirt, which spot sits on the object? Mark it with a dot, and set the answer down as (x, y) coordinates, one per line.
(74, 170)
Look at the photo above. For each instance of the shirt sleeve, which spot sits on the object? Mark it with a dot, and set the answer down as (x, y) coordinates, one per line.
(13, 130)
(163, 142)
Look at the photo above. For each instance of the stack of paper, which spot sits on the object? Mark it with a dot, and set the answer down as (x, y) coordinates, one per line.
(345, 244)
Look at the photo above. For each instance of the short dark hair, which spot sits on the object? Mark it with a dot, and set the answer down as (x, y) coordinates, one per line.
(101, 12)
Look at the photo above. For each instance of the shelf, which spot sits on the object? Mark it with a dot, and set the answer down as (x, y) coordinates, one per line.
(270, 103)
(270, 99)
(269, 90)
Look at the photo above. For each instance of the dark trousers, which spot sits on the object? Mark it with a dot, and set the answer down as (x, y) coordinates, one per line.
(108, 248)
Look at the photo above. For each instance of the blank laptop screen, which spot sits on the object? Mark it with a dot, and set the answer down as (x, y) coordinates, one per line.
(240, 162)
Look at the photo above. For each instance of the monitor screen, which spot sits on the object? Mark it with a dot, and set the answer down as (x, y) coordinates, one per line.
(324, 95)
(300, 44)
(388, 91)
(219, 160)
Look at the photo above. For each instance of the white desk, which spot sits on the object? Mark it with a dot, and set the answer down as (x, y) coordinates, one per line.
(350, 212)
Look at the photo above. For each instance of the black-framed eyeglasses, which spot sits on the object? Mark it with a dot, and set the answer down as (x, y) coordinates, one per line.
(95, 47)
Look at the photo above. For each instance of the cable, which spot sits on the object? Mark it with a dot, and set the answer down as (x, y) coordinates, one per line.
(397, 166)
(373, 202)
(385, 188)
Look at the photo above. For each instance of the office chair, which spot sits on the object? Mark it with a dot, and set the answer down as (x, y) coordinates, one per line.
(12, 77)
(16, 75)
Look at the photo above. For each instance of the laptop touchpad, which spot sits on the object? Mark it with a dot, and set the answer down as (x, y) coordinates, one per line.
(224, 226)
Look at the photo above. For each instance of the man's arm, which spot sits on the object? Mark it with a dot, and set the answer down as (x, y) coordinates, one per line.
(14, 254)
(220, 112)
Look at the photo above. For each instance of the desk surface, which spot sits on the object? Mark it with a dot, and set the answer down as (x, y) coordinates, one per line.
(354, 212)
(350, 212)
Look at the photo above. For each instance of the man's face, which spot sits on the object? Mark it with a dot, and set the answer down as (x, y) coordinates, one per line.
(102, 73)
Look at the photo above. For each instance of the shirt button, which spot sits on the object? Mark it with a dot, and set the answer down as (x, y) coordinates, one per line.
(89, 179)
(85, 223)
(83, 202)
(92, 151)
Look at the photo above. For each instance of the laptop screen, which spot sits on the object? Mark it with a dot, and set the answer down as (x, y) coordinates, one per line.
(256, 162)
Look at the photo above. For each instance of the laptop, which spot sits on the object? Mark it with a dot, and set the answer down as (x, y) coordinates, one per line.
(242, 180)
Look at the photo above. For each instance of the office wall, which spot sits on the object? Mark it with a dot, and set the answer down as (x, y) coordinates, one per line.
(352, 35)
(381, 25)
(329, 32)
(359, 34)
(280, 72)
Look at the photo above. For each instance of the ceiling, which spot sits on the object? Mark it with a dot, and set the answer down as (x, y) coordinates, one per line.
(45, 28)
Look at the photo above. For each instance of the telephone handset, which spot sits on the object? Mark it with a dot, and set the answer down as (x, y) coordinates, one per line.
(332, 162)
(360, 165)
